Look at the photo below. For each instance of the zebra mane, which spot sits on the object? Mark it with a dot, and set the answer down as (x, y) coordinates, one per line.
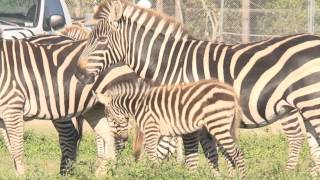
(128, 85)
(76, 31)
(104, 9)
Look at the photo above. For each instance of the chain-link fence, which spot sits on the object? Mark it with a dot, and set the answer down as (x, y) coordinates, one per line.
(233, 21)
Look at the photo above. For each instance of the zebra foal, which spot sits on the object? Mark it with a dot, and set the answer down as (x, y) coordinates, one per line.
(178, 110)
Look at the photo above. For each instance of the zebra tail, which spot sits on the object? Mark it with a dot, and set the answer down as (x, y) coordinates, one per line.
(137, 145)
(79, 126)
(235, 128)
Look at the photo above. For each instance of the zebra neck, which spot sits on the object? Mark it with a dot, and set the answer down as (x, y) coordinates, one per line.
(129, 93)
(167, 59)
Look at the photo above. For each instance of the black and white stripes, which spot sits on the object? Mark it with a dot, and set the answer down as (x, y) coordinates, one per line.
(177, 110)
(37, 81)
(273, 78)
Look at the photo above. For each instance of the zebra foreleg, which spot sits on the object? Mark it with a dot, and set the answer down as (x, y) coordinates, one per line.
(152, 137)
(106, 141)
(292, 129)
(100, 146)
(4, 134)
(68, 139)
(99, 123)
(13, 120)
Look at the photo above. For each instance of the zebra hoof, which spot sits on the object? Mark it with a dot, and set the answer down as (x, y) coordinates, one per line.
(216, 173)
(315, 171)
(100, 167)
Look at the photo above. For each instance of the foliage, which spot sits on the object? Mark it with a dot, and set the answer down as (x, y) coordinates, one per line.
(281, 17)
(265, 159)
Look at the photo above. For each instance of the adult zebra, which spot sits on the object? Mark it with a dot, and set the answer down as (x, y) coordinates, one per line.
(268, 74)
(69, 136)
(37, 81)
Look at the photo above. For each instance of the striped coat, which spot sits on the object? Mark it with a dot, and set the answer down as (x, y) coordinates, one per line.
(36, 81)
(177, 110)
(275, 78)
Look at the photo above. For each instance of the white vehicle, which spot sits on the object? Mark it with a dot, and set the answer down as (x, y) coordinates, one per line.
(25, 18)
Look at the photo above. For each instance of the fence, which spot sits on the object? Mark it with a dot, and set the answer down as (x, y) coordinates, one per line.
(234, 21)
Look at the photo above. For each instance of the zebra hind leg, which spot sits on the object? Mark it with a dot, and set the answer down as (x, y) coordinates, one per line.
(222, 133)
(313, 132)
(191, 146)
(292, 129)
(68, 140)
(210, 151)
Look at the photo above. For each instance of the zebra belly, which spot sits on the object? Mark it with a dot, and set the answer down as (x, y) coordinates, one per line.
(168, 127)
(46, 114)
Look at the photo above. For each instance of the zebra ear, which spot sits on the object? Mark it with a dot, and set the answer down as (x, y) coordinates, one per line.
(116, 11)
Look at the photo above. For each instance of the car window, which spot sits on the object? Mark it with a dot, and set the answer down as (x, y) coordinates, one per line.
(19, 13)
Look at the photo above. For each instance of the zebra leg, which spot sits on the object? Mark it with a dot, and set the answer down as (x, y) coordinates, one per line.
(152, 136)
(120, 135)
(4, 134)
(313, 132)
(210, 150)
(191, 145)
(13, 120)
(99, 123)
(180, 156)
(223, 133)
(100, 146)
(292, 129)
(166, 147)
(68, 140)
(96, 119)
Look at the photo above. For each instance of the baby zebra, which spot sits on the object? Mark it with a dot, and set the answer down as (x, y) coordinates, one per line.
(178, 110)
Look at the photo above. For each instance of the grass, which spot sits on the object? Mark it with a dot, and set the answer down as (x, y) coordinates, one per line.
(265, 159)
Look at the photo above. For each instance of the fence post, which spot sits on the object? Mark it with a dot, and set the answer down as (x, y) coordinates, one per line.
(221, 21)
(178, 11)
(311, 15)
(159, 5)
(245, 21)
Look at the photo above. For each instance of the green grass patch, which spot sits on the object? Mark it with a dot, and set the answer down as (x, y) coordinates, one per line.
(265, 155)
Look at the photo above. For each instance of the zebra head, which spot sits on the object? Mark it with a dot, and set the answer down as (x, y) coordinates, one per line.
(118, 118)
(104, 46)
